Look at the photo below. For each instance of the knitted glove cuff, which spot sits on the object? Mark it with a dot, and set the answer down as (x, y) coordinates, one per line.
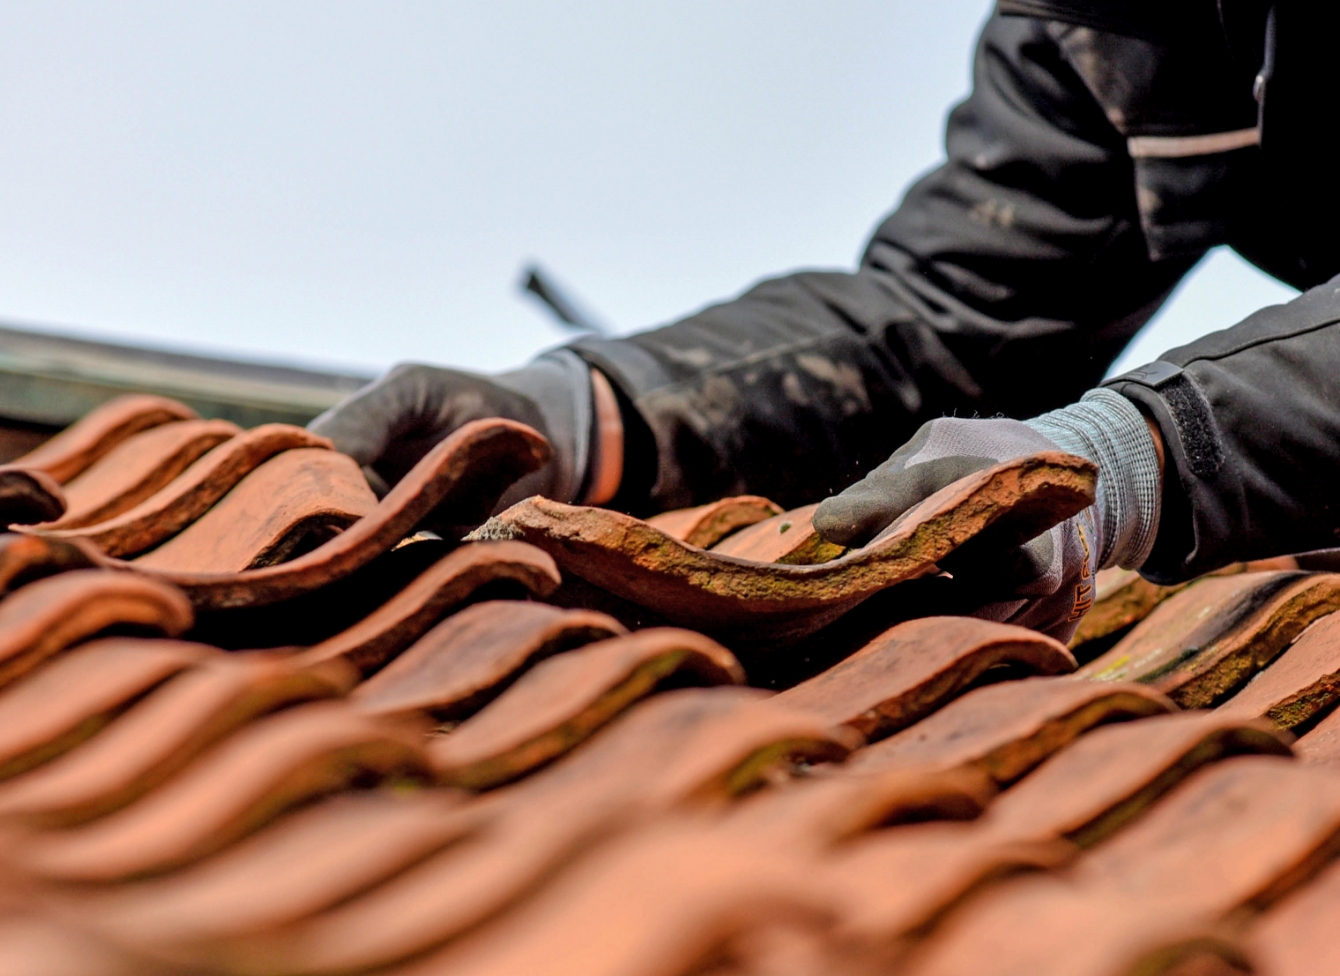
(559, 384)
(1107, 429)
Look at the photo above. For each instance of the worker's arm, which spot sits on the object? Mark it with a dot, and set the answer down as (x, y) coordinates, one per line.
(1006, 282)
(1224, 450)
(1250, 420)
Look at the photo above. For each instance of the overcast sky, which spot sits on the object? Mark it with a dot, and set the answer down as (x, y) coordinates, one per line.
(357, 183)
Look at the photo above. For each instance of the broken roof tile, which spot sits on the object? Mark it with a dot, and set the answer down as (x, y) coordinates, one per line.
(1207, 641)
(763, 601)
(788, 538)
(706, 525)
(270, 766)
(1300, 684)
(268, 513)
(97, 432)
(1006, 729)
(60, 705)
(47, 616)
(442, 587)
(137, 468)
(915, 667)
(164, 731)
(188, 496)
(564, 699)
(28, 495)
(466, 660)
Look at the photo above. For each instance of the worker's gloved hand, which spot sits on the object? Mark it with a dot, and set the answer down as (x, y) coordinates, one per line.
(1047, 583)
(390, 424)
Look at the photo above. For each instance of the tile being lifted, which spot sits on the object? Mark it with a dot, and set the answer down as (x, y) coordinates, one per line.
(566, 698)
(463, 477)
(45, 617)
(915, 667)
(443, 586)
(302, 492)
(1241, 833)
(150, 742)
(28, 495)
(469, 658)
(270, 766)
(192, 493)
(787, 538)
(1300, 684)
(82, 443)
(680, 749)
(1207, 641)
(1006, 729)
(706, 525)
(74, 696)
(758, 602)
(137, 468)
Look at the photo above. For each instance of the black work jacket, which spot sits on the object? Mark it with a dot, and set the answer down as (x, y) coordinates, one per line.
(1104, 149)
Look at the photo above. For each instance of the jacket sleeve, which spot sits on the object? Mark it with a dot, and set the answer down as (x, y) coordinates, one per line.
(1006, 282)
(1251, 420)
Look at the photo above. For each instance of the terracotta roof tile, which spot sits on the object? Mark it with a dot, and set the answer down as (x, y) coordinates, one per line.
(915, 667)
(45, 617)
(260, 522)
(788, 537)
(52, 710)
(1006, 729)
(563, 700)
(136, 468)
(28, 495)
(163, 732)
(1301, 684)
(24, 558)
(442, 587)
(275, 763)
(1207, 641)
(466, 660)
(706, 525)
(174, 808)
(189, 495)
(81, 444)
(1299, 936)
(1242, 832)
(764, 601)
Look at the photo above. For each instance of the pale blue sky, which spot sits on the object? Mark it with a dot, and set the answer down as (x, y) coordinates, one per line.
(358, 183)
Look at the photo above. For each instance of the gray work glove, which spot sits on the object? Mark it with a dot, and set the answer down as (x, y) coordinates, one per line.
(1047, 584)
(393, 422)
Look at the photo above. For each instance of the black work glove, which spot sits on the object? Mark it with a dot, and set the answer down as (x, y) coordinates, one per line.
(393, 422)
(1047, 583)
